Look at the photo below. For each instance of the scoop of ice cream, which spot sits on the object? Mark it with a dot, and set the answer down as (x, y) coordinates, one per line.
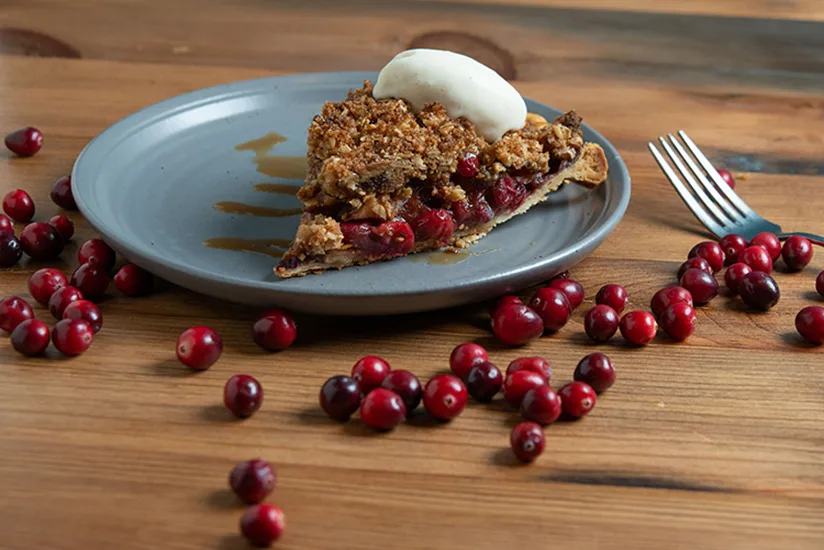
(465, 87)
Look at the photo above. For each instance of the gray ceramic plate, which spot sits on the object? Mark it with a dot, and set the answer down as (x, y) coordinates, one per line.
(150, 183)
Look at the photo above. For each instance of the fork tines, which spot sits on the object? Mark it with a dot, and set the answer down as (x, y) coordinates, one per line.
(706, 194)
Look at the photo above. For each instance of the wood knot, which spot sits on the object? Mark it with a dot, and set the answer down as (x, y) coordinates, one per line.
(481, 49)
(35, 44)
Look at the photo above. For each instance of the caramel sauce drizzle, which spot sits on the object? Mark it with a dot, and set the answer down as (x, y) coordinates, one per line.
(273, 165)
(270, 247)
(232, 207)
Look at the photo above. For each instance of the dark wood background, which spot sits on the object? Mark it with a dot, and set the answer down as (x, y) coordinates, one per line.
(714, 443)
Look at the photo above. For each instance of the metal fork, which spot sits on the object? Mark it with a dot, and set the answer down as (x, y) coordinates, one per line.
(712, 201)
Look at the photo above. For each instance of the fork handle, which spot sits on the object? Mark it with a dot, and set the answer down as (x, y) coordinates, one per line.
(815, 239)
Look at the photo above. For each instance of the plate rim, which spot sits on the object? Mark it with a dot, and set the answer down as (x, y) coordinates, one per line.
(615, 207)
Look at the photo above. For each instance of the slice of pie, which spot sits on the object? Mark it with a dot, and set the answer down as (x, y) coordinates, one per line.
(385, 180)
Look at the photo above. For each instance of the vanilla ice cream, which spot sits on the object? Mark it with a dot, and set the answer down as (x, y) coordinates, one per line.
(465, 87)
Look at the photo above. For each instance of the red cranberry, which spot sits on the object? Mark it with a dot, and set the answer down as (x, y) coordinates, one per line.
(96, 251)
(92, 279)
(507, 194)
(31, 337)
(25, 142)
(64, 227)
(474, 210)
(252, 480)
(797, 252)
(819, 284)
(242, 395)
(553, 307)
(6, 224)
(596, 370)
(45, 282)
(711, 252)
(61, 299)
(132, 280)
(10, 249)
(340, 397)
(573, 289)
(464, 357)
(601, 323)
(518, 383)
(369, 372)
(614, 296)
(274, 330)
(18, 205)
(577, 398)
(694, 263)
(733, 276)
(387, 240)
(759, 290)
(86, 310)
(667, 296)
(484, 381)
(638, 327)
(72, 336)
(678, 321)
(41, 241)
(758, 258)
(541, 405)
(405, 384)
(732, 245)
(516, 325)
(436, 225)
(13, 311)
(468, 166)
(701, 285)
(263, 524)
(727, 177)
(382, 409)
(199, 347)
(62, 195)
(810, 324)
(527, 441)
(506, 300)
(770, 243)
(444, 396)
(534, 364)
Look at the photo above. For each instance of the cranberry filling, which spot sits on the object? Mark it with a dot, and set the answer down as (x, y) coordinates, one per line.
(386, 240)
(435, 225)
(507, 194)
(475, 210)
(426, 218)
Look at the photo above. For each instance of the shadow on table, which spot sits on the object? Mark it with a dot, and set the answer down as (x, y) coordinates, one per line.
(224, 499)
(232, 542)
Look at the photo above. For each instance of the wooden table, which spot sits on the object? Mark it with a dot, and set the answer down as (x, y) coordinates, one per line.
(714, 443)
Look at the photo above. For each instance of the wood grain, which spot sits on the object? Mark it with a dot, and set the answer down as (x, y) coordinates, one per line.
(803, 10)
(546, 41)
(713, 443)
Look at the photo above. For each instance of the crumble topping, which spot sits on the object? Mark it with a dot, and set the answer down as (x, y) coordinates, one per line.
(317, 235)
(362, 147)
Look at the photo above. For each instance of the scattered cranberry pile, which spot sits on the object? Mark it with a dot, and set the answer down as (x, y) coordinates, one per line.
(70, 300)
(748, 274)
(386, 397)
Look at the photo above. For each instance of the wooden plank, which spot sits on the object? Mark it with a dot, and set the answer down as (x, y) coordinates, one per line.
(527, 42)
(802, 10)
